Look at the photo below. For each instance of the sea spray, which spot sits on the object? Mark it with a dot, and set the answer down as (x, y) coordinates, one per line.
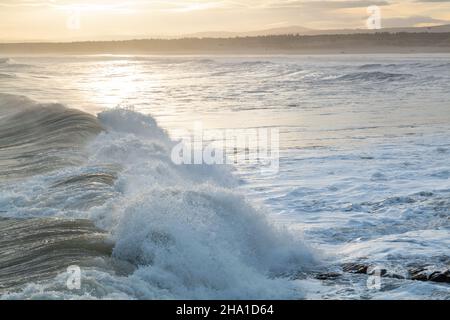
(178, 231)
(184, 226)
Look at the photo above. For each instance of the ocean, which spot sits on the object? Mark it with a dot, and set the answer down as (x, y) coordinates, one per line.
(89, 188)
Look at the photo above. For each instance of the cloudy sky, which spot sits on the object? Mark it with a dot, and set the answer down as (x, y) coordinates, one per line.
(105, 19)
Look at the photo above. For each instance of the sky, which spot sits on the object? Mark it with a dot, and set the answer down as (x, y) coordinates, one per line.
(67, 20)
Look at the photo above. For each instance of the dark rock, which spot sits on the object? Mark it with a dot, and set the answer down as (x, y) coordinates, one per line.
(419, 273)
(397, 276)
(424, 274)
(420, 277)
(355, 268)
(328, 276)
(438, 276)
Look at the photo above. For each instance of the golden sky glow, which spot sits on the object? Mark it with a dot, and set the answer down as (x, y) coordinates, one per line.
(37, 20)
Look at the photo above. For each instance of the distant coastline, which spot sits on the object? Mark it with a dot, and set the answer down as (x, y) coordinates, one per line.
(382, 42)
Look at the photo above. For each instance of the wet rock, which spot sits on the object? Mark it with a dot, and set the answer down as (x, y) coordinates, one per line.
(355, 268)
(419, 274)
(397, 276)
(440, 276)
(328, 276)
(424, 273)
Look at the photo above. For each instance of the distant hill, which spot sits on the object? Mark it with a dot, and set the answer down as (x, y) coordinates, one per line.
(266, 32)
(404, 42)
(289, 30)
(434, 29)
(306, 31)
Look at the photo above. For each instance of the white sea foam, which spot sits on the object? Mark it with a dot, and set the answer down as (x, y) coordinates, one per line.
(364, 171)
(184, 230)
(190, 234)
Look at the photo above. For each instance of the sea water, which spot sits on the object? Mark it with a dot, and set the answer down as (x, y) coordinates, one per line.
(87, 177)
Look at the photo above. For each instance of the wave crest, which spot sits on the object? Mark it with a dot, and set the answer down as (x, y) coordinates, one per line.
(36, 138)
(375, 76)
(186, 230)
(5, 60)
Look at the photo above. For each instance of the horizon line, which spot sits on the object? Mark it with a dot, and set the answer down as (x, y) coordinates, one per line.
(238, 34)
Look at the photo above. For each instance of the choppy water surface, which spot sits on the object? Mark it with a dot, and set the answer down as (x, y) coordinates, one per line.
(86, 176)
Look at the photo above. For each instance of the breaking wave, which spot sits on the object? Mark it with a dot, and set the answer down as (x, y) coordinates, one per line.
(374, 76)
(35, 138)
(5, 60)
(6, 76)
(159, 230)
(404, 65)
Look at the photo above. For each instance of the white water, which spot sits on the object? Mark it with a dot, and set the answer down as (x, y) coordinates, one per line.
(364, 172)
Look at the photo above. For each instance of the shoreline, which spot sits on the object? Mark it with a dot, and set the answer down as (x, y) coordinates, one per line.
(393, 51)
(377, 43)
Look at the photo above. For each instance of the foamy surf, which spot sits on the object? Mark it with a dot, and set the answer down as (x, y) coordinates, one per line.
(175, 232)
(363, 172)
